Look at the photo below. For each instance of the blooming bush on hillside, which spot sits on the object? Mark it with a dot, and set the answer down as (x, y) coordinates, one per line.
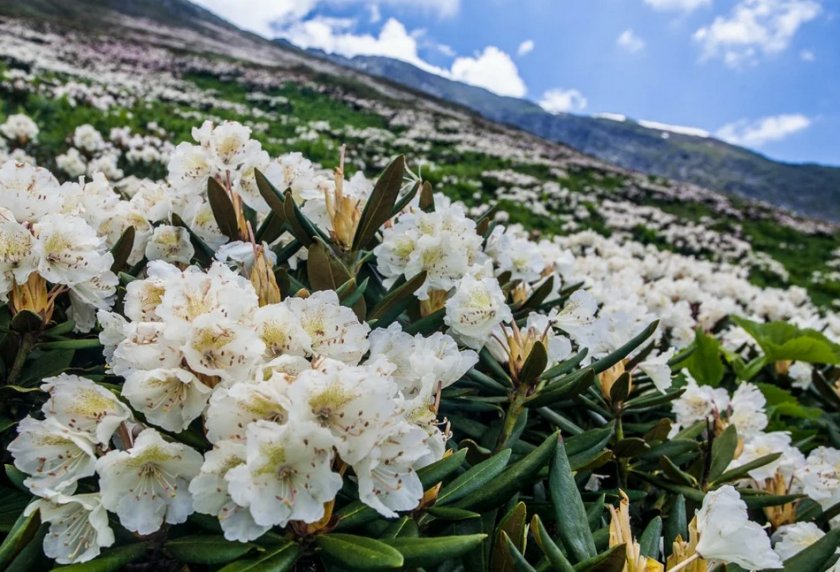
(256, 363)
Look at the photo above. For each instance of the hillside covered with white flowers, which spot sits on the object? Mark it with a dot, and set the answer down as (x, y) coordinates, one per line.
(258, 312)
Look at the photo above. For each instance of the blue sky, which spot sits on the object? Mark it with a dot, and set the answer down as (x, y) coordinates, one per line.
(760, 73)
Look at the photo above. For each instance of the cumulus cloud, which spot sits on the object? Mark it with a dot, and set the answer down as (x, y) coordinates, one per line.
(491, 69)
(677, 5)
(265, 16)
(754, 27)
(807, 56)
(757, 132)
(563, 101)
(630, 42)
(525, 48)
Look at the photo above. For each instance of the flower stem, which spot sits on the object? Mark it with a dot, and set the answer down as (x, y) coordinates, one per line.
(511, 417)
(27, 341)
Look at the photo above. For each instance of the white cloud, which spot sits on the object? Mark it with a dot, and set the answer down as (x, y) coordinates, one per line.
(563, 101)
(753, 27)
(630, 42)
(525, 48)
(677, 5)
(375, 13)
(334, 36)
(757, 132)
(807, 56)
(264, 16)
(491, 69)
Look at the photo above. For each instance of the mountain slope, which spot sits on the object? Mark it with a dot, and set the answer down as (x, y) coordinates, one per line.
(806, 188)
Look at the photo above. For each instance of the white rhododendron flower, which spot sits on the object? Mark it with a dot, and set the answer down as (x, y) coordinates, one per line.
(233, 409)
(78, 527)
(287, 474)
(820, 476)
(443, 243)
(657, 369)
(29, 193)
(476, 309)
(169, 398)
(210, 493)
(333, 330)
(727, 534)
(698, 403)
(422, 363)
(747, 410)
(82, 405)
(69, 251)
(54, 456)
(791, 539)
(148, 484)
(764, 444)
(388, 480)
(170, 244)
(19, 128)
(219, 346)
(349, 402)
(87, 138)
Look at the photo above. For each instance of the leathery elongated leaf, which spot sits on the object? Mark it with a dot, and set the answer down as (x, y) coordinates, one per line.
(552, 552)
(430, 551)
(396, 300)
(359, 552)
(520, 564)
(607, 362)
(207, 549)
(110, 560)
(475, 478)
(324, 270)
(380, 205)
(817, 556)
(723, 451)
(512, 479)
(432, 474)
(613, 560)
(122, 249)
(222, 208)
(278, 558)
(270, 194)
(568, 508)
(21, 533)
(514, 527)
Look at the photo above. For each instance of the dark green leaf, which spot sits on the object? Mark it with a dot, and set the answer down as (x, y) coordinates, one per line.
(512, 479)
(110, 560)
(704, 363)
(275, 559)
(206, 549)
(650, 537)
(426, 552)
(475, 478)
(222, 208)
(380, 205)
(552, 552)
(723, 451)
(573, 525)
(359, 552)
(431, 475)
(122, 249)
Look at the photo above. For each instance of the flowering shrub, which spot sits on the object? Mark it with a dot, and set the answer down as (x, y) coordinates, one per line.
(216, 354)
(258, 364)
